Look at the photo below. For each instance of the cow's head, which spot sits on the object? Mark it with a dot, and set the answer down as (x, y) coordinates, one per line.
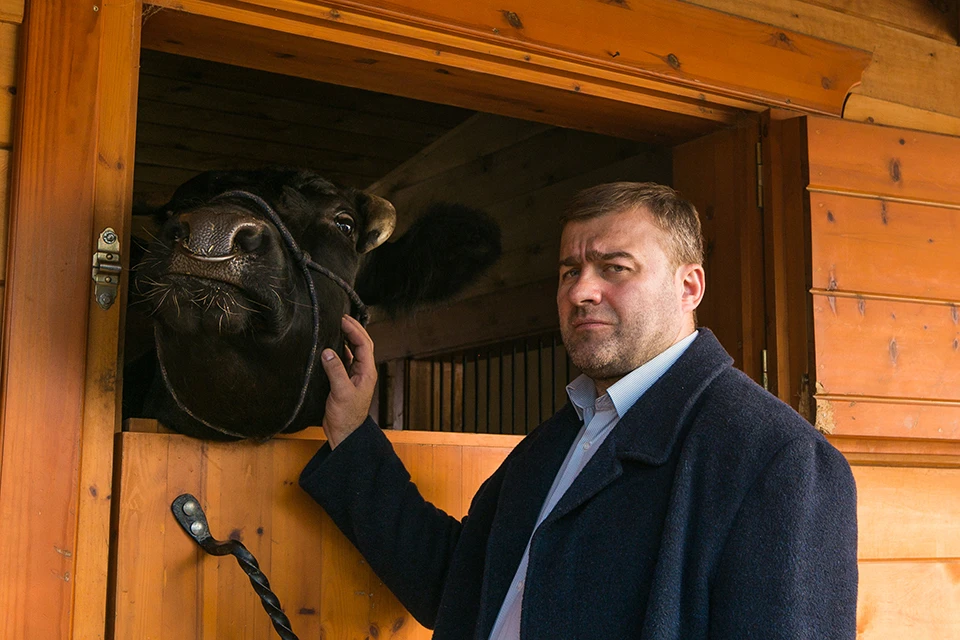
(233, 320)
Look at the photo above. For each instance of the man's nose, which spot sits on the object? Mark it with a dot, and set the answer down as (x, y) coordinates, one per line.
(587, 289)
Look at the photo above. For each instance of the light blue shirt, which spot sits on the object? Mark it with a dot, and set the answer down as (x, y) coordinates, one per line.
(600, 416)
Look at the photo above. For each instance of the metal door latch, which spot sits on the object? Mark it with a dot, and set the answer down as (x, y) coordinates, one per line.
(106, 268)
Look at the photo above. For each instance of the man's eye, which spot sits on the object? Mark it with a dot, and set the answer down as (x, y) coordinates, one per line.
(616, 268)
(345, 223)
(569, 273)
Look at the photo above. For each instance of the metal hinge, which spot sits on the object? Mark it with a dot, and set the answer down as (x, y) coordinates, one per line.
(106, 268)
(759, 176)
(766, 377)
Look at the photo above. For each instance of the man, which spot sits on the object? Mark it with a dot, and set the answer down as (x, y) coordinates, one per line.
(671, 498)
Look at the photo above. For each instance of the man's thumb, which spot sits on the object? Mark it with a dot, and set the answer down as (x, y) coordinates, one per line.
(333, 366)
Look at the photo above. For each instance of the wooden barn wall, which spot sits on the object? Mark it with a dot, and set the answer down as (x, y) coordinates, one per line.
(884, 214)
(522, 174)
(11, 15)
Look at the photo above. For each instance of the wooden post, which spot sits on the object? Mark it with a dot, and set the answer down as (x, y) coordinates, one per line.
(71, 167)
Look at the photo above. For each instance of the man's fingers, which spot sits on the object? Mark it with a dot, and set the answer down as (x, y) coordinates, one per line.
(339, 380)
(360, 342)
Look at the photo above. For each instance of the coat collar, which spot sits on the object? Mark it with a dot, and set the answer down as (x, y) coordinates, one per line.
(653, 424)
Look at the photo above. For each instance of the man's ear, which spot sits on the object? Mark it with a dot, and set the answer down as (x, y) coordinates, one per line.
(692, 286)
(380, 220)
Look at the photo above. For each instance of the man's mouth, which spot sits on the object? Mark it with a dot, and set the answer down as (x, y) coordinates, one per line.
(590, 323)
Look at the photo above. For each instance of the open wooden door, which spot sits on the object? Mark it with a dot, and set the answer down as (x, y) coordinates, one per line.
(862, 236)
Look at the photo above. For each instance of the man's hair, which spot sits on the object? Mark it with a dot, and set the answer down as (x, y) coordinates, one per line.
(671, 213)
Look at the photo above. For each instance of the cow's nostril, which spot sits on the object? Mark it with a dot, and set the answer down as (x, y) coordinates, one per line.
(249, 237)
(180, 230)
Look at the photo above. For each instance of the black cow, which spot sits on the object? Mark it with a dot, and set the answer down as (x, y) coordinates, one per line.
(232, 313)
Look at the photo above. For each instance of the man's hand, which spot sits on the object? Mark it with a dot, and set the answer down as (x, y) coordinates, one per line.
(350, 395)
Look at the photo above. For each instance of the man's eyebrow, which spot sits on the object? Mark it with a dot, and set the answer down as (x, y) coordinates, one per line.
(596, 256)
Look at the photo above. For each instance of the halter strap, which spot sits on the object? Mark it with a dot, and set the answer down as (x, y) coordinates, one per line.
(358, 310)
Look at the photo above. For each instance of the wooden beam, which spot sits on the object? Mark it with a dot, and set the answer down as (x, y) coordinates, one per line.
(655, 43)
(861, 108)
(906, 68)
(930, 18)
(46, 310)
(454, 77)
(113, 191)
(480, 135)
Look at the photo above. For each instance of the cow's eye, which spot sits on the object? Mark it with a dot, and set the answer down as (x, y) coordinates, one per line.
(345, 223)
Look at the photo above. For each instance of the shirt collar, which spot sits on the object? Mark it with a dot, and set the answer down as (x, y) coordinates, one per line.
(628, 389)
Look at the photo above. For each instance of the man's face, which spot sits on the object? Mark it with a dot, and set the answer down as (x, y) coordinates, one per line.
(621, 300)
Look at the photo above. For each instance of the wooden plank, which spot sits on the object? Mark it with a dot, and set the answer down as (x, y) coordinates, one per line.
(858, 416)
(810, 72)
(113, 188)
(906, 165)
(718, 173)
(45, 336)
(211, 148)
(524, 310)
(5, 203)
(930, 19)
(907, 513)
(580, 102)
(921, 241)
(861, 108)
(261, 127)
(908, 599)
(906, 68)
(786, 258)
(9, 59)
(480, 135)
(176, 79)
(11, 11)
(914, 453)
(885, 348)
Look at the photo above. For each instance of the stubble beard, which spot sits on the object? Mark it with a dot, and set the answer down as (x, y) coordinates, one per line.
(623, 349)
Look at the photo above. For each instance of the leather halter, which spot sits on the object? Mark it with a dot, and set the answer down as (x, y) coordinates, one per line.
(357, 309)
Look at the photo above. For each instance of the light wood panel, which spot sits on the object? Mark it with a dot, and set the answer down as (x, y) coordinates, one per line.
(882, 348)
(852, 234)
(876, 416)
(908, 513)
(883, 162)
(250, 492)
(44, 357)
(907, 599)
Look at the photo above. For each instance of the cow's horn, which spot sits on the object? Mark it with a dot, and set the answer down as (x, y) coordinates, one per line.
(381, 221)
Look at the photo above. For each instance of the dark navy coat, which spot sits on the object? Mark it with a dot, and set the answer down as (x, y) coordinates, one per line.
(712, 510)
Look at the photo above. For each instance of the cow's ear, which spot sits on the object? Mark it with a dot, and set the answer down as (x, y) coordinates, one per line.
(380, 218)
